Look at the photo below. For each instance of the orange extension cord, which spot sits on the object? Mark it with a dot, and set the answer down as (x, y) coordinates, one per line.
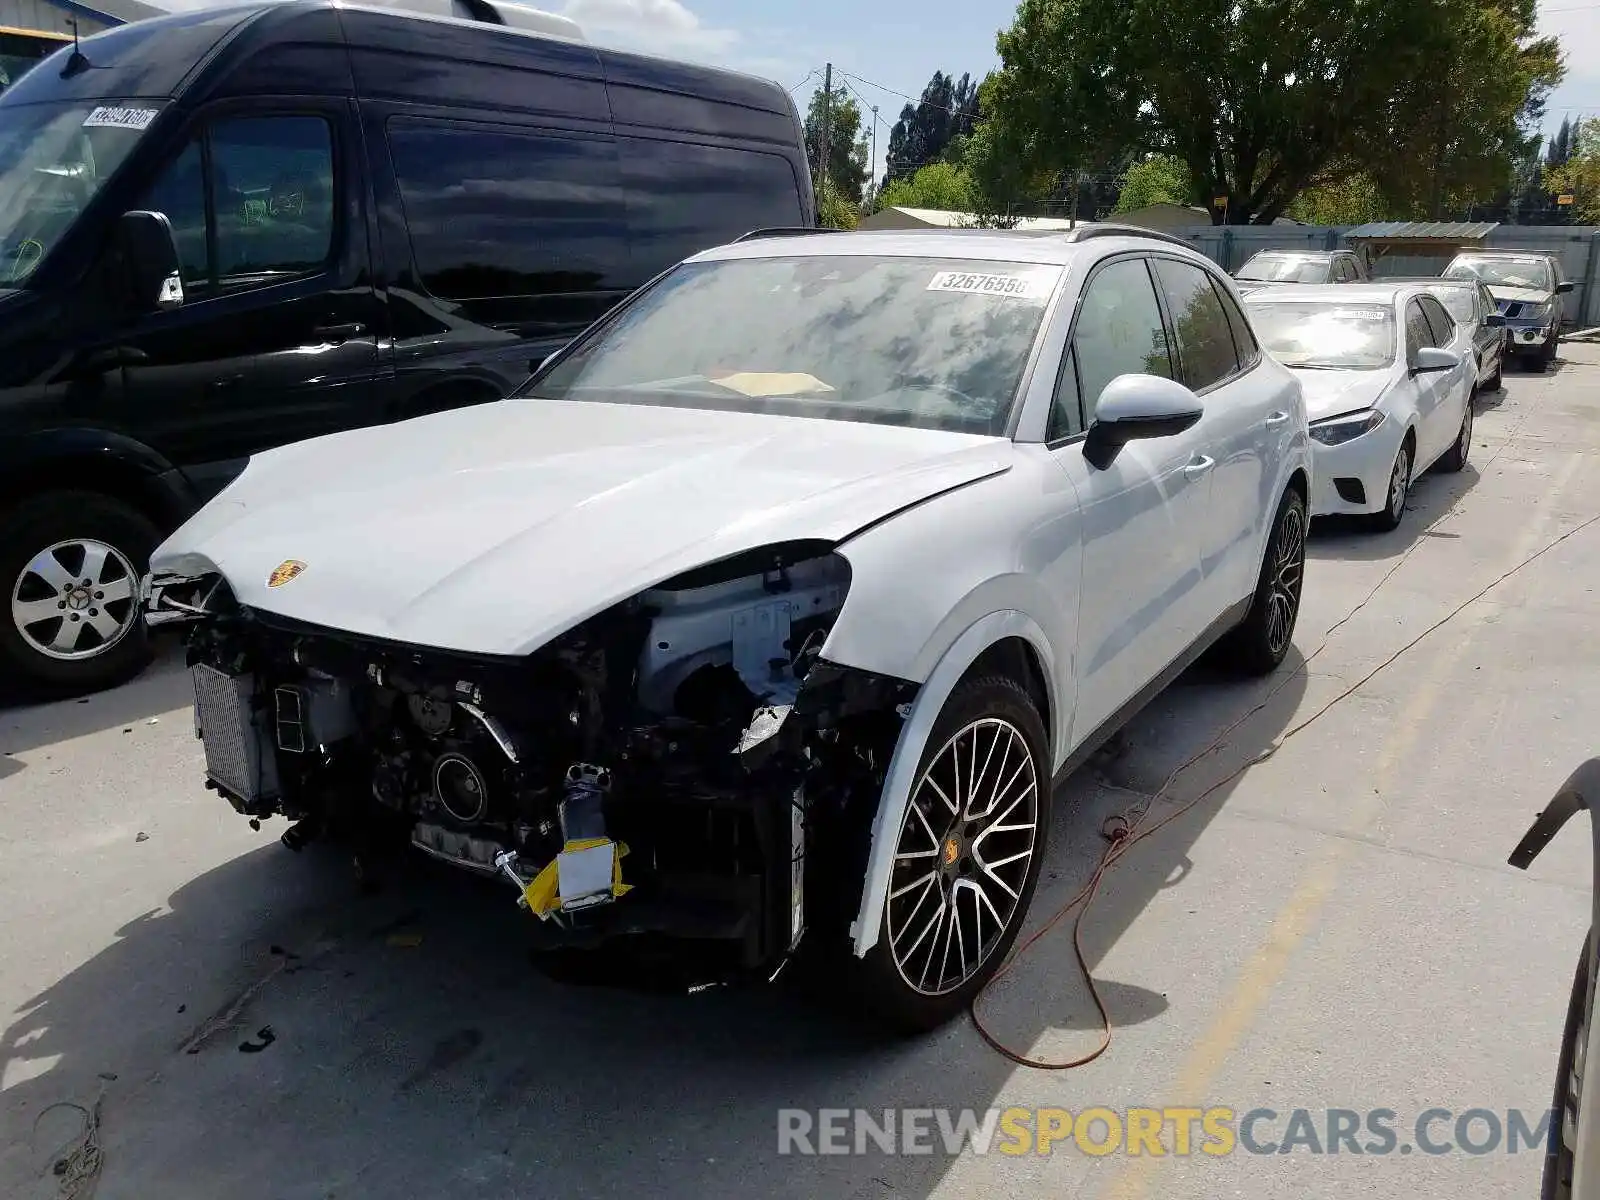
(1123, 831)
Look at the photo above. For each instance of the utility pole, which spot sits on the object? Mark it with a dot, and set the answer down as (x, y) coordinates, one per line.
(872, 163)
(827, 105)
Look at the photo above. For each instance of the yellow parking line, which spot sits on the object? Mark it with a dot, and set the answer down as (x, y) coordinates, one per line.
(1295, 919)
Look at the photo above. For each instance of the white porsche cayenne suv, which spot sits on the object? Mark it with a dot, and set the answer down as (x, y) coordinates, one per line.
(768, 611)
(1389, 377)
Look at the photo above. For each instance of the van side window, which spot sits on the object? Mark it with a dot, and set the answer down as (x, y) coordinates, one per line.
(269, 183)
(497, 212)
(684, 198)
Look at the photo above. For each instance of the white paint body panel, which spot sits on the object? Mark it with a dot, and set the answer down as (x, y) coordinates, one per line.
(494, 529)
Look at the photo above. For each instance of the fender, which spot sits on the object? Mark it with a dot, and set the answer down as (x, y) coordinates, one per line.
(902, 775)
(123, 465)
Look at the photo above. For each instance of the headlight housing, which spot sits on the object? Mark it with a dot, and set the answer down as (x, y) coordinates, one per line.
(1336, 431)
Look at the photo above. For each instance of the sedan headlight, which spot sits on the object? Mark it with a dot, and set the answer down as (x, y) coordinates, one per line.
(1336, 431)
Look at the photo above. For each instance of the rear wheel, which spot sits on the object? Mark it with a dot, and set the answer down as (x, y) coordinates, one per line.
(1496, 381)
(70, 566)
(1456, 457)
(1259, 643)
(967, 858)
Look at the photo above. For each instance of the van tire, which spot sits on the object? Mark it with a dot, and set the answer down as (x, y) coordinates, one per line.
(70, 521)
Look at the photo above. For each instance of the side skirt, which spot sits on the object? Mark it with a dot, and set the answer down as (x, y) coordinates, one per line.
(1109, 727)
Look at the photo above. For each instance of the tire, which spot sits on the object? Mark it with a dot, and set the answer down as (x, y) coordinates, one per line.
(1548, 356)
(64, 529)
(1560, 1159)
(1455, 458)
(1497, 381)
(993, 715)
(1400, 475)
(1258, 644)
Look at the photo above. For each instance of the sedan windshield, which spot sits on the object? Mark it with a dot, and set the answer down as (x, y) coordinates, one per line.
(1520, 271)
(1336, 337)
(931, 343)
(1285, 268)
(54, 159)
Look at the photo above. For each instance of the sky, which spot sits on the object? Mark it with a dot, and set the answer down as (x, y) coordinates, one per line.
(886, 50)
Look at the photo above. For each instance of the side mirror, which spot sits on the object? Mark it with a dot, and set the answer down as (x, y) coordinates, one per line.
(149, 257)
(1429, 359)
(1495, 320)
(1563, 287)
(1138, 406)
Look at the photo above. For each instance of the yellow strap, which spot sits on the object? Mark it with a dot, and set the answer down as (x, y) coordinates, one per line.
(544, 893)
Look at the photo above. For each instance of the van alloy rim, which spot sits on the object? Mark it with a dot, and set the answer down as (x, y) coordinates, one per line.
(75, 600)
(966, 843)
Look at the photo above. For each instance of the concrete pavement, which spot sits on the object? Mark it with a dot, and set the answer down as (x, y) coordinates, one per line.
(1336, 928)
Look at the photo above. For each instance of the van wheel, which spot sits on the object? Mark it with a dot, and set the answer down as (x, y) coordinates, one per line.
(967, 857)
(1259, 643)
(70, 567)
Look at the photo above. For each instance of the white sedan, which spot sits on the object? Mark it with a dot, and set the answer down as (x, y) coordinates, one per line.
(771, 608)
(1389, 377)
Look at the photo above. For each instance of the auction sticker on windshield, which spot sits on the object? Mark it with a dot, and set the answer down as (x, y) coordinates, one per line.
(110, 117)
(1031, 285)
(1356, 314)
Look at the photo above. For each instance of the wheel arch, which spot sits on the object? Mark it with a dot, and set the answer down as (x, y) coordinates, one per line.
(88, 460)
(1008, 642)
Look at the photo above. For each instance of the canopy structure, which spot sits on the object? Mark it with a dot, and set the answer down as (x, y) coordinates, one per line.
(1415, 247)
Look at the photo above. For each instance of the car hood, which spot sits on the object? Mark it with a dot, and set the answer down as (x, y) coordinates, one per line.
(1331, 393)
(1519, 295)
(493, 529)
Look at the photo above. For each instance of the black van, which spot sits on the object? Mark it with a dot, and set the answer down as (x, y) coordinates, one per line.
(227, 230)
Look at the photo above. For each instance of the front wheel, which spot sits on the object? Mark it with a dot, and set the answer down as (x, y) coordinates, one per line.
(1394, 508)
(967, 858)
(1259, 643)
(70, 566)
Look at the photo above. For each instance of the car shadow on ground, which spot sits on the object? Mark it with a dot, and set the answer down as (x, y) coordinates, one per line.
(1431, 500)
(277, 1033)
(26, 724)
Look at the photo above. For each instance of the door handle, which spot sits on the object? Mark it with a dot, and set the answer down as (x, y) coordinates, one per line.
(1199, 466)
(1277, 418)
(227, 384)
(338, 333)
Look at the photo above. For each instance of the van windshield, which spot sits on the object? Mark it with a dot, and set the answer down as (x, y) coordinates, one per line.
(54, 159)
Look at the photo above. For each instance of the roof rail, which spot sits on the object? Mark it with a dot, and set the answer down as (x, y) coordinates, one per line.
(509, 13)
(776, 231)
(1084, 232)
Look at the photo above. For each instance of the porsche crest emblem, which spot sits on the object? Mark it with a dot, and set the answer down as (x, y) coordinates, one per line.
(952, 851)
(284, 572)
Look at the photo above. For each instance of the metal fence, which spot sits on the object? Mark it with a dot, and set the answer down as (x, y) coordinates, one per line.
(1578, 246)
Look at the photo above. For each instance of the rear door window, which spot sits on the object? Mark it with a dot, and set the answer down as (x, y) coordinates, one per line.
(1206, 351)
(523, 229)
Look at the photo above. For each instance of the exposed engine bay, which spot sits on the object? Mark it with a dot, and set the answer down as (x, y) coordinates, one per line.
(685, 763)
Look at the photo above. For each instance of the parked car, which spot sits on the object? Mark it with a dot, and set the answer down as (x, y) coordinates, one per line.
(1474, 308)
(1299, 266)
(1526, 285)
(1388, 377)
(1572, 1158)
(802, 575)
(249, 226)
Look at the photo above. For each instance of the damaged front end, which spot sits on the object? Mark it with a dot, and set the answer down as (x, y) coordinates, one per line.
(684, 764)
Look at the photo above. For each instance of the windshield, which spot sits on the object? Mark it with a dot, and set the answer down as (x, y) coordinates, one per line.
(1520, 271)
(931, 343)
(1462, 302)
(54, 159)
(1337, 337)
(1285, 268)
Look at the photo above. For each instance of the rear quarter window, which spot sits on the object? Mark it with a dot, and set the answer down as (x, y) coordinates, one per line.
(683, 198)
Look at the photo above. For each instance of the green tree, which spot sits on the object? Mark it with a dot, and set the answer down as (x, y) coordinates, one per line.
(1349, 197)
(1156, 179)
(834, 209)
(1260, 98)
(996, 159)
(1457, 139)
(939, 185)
(847, 148)
(1579, 176)
(947, 110)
